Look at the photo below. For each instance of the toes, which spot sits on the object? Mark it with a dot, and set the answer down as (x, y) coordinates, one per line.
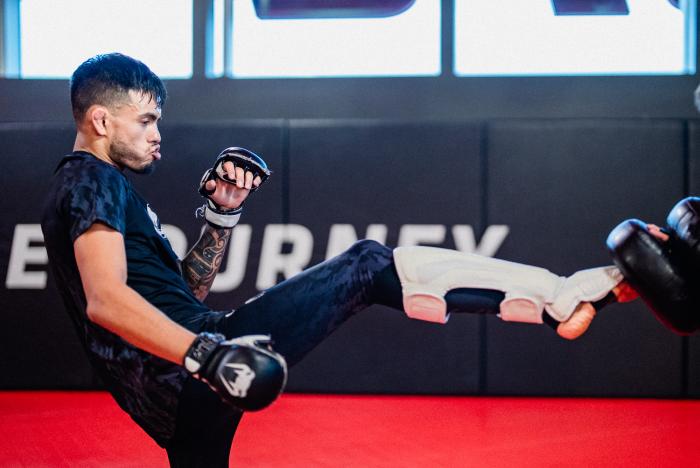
(578, 323)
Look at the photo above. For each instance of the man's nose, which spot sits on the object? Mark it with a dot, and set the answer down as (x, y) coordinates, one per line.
(155, 136)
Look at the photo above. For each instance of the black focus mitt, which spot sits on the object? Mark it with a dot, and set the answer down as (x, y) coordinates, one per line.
(658, 273)
(684, 230)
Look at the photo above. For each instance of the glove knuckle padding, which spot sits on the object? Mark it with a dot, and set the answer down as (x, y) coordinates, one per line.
(248, 377)
(243, 158)
(240, 157)
(659, 277)
(684, 223)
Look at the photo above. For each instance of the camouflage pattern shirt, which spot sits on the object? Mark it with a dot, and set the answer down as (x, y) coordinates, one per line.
(84, 191)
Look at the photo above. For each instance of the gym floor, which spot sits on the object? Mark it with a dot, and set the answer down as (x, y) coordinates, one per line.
(87, 429)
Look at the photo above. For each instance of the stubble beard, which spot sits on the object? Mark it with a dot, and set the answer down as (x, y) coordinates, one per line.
(123, 155)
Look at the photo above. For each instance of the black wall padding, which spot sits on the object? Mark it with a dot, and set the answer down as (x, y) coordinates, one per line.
(396, 175)
(559, 186)
(39, 347)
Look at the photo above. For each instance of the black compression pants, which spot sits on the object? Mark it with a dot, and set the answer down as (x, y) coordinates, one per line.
(298, 313)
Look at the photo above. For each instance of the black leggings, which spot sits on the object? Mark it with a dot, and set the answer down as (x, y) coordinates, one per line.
(298, 313)
(301, 312)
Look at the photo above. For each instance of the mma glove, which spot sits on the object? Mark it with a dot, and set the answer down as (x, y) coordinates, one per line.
(212, 212)
(245, 372)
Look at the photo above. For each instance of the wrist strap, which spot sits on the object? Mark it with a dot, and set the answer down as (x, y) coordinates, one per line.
(217, 218)
(200, 350)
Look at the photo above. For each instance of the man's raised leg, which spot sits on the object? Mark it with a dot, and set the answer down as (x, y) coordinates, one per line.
(302, 311)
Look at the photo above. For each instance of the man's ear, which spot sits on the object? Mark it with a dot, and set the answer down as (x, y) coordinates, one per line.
(97, 117)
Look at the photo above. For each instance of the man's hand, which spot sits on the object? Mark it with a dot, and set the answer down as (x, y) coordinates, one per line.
(656, 231)
(236, 173)
(231, 195)
(246, 372)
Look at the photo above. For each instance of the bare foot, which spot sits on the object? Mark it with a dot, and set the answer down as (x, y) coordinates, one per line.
(578, 323)
(584, 313)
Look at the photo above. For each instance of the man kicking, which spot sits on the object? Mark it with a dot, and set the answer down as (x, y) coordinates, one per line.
(170, 361)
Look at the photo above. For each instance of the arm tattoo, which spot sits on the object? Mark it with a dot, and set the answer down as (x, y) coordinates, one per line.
(202, 263)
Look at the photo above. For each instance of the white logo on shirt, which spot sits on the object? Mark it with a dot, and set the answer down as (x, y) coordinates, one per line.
(156, 222)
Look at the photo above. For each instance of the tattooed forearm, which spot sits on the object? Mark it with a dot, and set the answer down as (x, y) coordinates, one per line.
(202, 262)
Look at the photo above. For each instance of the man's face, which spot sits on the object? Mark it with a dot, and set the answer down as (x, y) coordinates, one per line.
(135, 139)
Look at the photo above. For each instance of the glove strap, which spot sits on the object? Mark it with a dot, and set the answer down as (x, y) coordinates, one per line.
(199, 351)
(218, 218)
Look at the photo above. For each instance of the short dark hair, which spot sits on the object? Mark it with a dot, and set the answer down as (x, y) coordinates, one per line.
(107, 79)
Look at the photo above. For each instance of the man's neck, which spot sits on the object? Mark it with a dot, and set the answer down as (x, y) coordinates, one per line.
(93, 147)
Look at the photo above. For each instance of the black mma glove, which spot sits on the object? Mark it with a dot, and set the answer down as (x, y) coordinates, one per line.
(214, 214)
(246, 372)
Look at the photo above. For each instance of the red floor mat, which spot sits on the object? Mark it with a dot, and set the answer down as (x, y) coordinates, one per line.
(61, 429)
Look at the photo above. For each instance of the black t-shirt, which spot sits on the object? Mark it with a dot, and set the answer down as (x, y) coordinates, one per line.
(84, 191)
